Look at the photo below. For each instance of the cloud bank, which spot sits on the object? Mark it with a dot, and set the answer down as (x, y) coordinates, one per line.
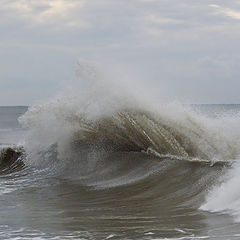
(186, 50)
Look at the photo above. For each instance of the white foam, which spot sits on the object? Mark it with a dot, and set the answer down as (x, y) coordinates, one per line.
(226, 197)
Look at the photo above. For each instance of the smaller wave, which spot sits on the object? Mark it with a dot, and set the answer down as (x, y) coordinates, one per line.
(11, 158)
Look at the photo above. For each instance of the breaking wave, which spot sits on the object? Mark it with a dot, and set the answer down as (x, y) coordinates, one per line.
(101, 137)
(187, 136)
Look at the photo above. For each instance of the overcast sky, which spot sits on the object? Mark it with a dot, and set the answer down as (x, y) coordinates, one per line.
(187, 49)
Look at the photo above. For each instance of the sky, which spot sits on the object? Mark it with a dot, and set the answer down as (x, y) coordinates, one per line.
(186, 50)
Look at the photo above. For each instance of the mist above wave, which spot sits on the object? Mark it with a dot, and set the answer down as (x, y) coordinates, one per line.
(102, 114)
(107, 113)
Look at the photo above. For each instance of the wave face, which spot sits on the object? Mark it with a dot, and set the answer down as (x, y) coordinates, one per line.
(120, 159)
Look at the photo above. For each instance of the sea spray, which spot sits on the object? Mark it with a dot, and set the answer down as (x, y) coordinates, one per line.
(102, 116)
(225, 197)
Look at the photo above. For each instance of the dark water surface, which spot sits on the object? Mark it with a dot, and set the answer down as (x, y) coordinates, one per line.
(108, 194)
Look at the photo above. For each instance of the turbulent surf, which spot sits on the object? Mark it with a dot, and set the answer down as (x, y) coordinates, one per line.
(104, 165)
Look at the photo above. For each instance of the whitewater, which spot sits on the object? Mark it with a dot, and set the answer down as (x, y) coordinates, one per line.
(105, 160)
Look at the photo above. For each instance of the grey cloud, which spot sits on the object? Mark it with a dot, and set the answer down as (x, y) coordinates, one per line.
(169, 43)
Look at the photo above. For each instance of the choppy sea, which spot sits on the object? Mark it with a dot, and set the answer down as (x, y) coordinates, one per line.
(67, 172)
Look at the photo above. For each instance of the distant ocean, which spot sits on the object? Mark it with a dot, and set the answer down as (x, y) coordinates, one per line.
(171, 172)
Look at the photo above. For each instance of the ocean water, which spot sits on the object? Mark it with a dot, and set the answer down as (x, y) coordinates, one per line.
(107, 160)
(128, 173)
